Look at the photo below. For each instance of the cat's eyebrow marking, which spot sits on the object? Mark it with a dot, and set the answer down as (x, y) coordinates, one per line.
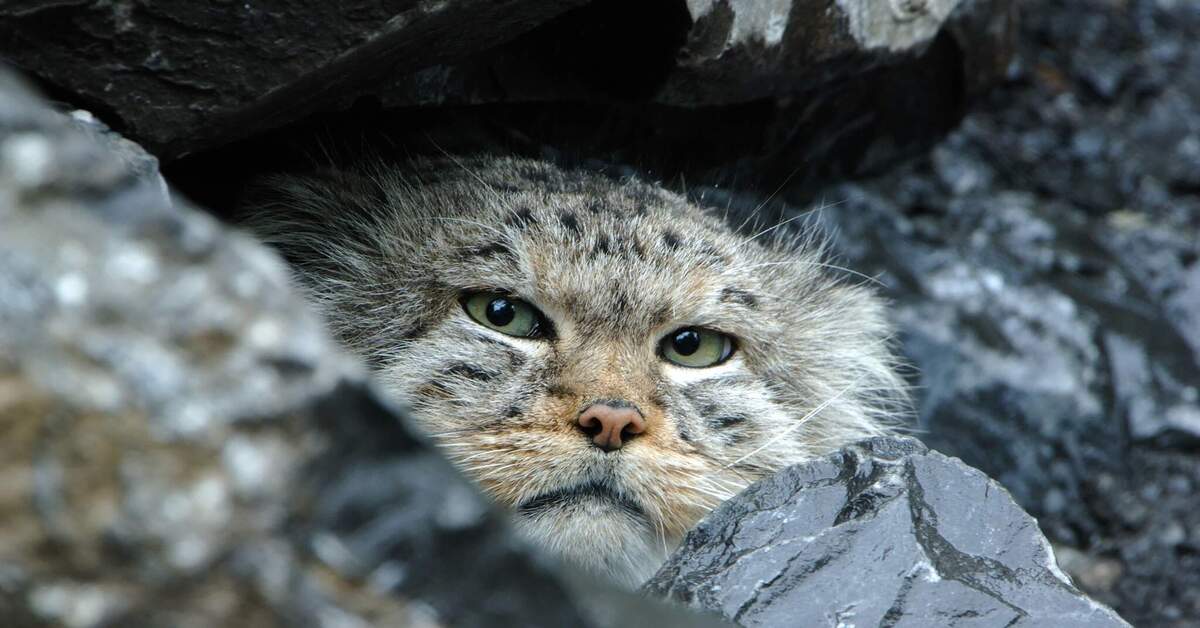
(737, 295)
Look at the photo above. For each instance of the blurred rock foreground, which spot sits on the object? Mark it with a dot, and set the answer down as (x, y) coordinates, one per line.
(181, 445)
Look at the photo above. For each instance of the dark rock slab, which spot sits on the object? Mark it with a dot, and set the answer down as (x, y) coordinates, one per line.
(176, 76)
(181, 444)
(883, 533)
(824, 87)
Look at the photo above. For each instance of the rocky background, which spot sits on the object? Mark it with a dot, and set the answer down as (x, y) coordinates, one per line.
(1045, 259)
(1027, 191)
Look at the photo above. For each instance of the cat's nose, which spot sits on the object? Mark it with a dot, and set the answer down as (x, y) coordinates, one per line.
(611, 423)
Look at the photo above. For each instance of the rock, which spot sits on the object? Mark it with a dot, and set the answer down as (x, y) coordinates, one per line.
(181, 443)
(739, 51)
(885, 532)
(1043, 262)
(177, 76)
(760, 89)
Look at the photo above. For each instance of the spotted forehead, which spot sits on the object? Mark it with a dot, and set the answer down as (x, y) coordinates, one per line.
(620, 257)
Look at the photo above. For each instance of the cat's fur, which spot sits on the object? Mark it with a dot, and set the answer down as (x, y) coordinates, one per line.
(615, 265)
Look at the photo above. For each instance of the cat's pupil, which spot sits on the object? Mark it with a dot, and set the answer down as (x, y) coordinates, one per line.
(501, 312)
(686, 342)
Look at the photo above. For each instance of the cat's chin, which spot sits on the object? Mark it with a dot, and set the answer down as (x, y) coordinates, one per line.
(595, 530)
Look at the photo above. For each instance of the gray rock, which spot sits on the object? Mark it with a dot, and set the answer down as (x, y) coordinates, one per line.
(181, 444)
(883, 533)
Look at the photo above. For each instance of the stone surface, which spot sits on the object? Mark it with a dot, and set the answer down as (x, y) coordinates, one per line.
(884, 533)
(176, 76)
(839, 85)
(182, 445)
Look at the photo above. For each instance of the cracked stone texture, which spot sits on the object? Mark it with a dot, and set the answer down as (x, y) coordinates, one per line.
(182, 445)
(750, 85)
(882, 533)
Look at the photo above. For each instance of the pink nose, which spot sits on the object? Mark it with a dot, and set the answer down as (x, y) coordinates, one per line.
(610, 424)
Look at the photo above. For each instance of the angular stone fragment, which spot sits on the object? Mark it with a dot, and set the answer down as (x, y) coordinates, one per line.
(883, 533)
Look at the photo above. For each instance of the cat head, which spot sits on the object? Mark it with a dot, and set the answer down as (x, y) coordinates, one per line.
(600, 356)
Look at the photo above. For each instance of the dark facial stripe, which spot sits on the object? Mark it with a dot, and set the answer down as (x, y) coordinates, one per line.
(494, 249)
(435, 389)
(737, 295)
(515, 360)
(488, 340)
(726, 420)
(469, 371)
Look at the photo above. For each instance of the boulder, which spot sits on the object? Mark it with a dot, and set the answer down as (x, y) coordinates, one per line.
(883, 533)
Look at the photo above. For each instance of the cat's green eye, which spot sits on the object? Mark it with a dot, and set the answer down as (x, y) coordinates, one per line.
(503, 314)
(694, 347)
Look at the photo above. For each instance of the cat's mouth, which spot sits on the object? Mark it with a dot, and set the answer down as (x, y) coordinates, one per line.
(580, 495)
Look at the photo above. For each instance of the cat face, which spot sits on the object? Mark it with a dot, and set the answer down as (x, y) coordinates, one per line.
(603, 358)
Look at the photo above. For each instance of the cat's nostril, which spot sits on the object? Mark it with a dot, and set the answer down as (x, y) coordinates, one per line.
(590, 425)
(611, 425)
